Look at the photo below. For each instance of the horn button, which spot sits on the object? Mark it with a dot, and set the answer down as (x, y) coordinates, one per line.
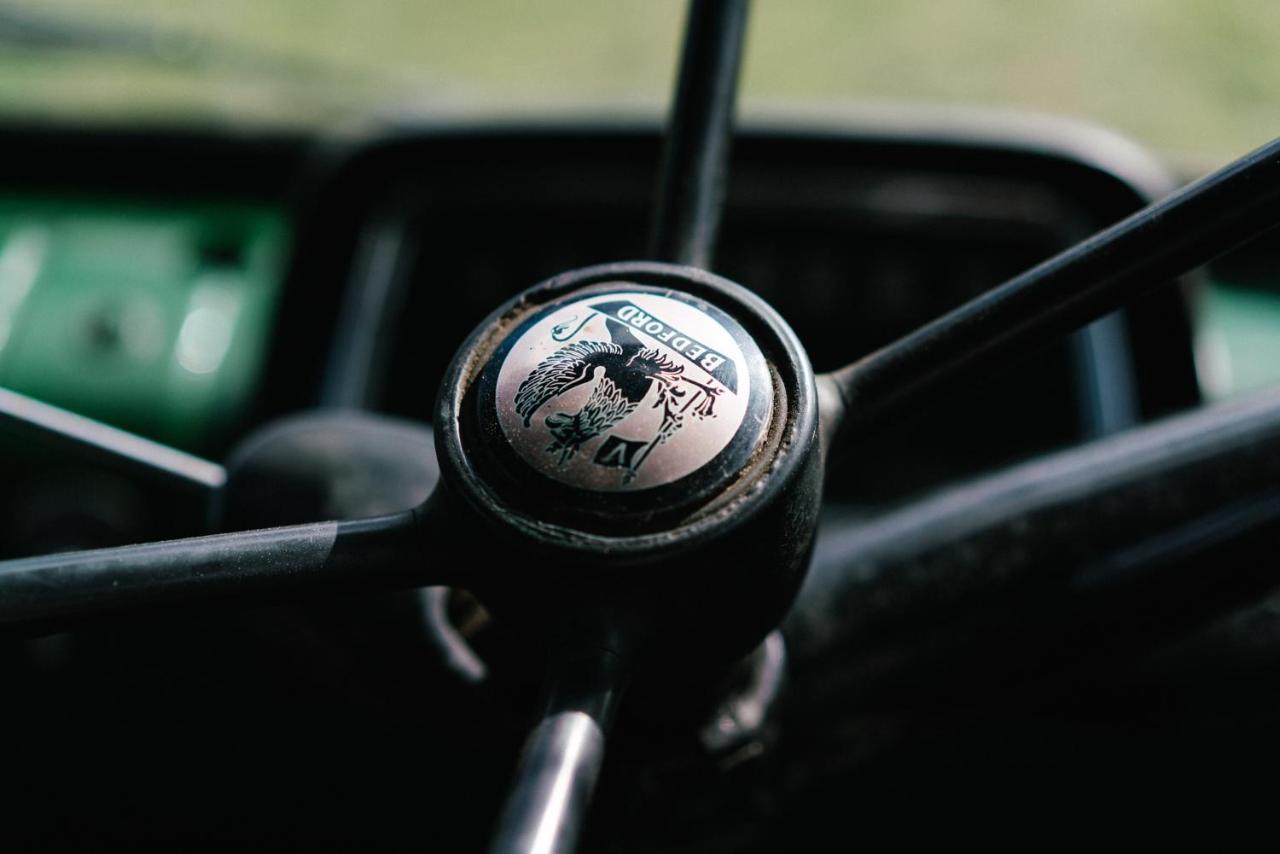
(628, 390)
(619, 405)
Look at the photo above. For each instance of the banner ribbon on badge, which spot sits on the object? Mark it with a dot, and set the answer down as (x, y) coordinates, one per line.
(715, 363)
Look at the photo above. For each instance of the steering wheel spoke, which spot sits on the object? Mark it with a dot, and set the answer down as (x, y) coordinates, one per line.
(691, 178)
(56, 591)
(1079, 529)
(1097, 276)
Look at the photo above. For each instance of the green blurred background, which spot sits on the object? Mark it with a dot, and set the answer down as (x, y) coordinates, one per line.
(1192, 78)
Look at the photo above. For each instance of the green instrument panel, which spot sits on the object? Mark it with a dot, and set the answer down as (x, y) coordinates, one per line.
(150, 316)
(1237, 338)
(155, 316)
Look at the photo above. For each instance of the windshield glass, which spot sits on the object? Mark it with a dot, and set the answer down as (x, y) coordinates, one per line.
(1185, 76)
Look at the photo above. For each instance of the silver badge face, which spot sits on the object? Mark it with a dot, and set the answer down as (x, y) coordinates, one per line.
(622, 391)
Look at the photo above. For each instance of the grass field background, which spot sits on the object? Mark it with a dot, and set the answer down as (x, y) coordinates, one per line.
(1199, 78)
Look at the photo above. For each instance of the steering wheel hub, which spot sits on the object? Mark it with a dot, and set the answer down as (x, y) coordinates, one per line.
(636, 445)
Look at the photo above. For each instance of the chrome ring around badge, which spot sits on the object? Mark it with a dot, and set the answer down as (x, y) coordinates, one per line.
(628, 389)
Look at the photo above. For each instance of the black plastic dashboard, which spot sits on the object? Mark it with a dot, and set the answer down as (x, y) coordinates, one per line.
(856, 230)
(856, 234)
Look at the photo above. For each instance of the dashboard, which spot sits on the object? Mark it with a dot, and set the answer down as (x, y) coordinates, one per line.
(856, 234)
(192, 285)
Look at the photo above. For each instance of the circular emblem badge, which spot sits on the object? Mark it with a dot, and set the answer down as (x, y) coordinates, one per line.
(630, 389)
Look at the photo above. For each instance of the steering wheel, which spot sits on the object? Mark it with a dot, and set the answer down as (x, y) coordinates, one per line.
(632, 458)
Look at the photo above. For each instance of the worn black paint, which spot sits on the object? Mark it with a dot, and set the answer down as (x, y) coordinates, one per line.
(50, 590)
(693, 174)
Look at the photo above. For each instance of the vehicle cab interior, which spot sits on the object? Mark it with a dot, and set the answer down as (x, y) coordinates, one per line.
(262, 238)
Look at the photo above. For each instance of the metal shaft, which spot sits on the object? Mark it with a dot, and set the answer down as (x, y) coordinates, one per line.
(691, 179)
(370, 553)
(561, 763)
(1149, 248)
